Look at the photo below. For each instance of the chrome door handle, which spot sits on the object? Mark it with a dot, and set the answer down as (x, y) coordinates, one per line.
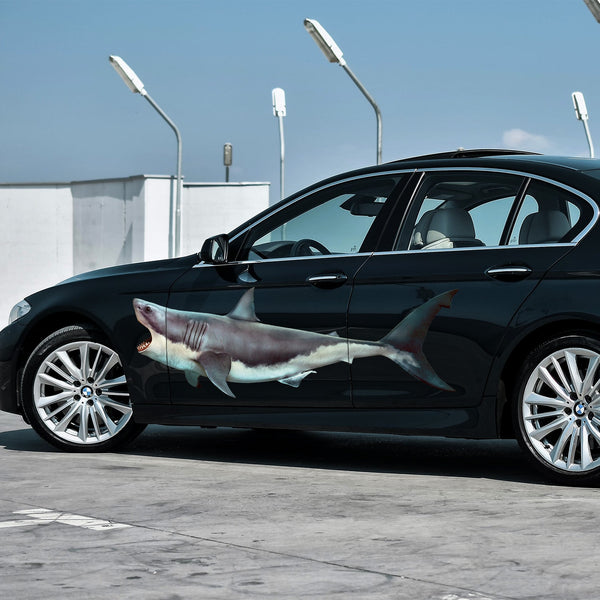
(509, 272)
(328, 280)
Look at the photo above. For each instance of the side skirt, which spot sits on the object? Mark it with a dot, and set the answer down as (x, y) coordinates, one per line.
(450, 422)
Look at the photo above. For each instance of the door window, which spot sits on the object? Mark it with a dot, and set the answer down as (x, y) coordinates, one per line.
(340, 220)
(462, 210)
(548, 214)
(459, 210)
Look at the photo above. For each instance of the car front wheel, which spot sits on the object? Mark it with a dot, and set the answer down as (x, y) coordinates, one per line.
(74, 392)
(557, 409)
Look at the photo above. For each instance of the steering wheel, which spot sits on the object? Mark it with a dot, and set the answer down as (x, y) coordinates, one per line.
(302, 247)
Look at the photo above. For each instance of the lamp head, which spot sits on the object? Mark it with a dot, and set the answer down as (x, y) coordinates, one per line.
(227, 154)
(127, 74)
(330, 49)
(580, 108)
(594, 6)
(279, 109)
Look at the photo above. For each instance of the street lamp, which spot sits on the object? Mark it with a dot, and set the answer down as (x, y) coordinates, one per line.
(582, 115)
(279, 111)
(334, 54)
(134, 83)
(227, 159)
(594, 6)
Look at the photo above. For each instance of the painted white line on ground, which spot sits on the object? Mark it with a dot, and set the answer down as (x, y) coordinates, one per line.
(43, 516)
(20, 523)
(468, 596)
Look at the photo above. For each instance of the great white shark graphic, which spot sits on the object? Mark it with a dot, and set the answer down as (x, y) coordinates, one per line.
(238, 348)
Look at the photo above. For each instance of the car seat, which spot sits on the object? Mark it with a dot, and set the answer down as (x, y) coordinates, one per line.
(544, 227)
(450, 227)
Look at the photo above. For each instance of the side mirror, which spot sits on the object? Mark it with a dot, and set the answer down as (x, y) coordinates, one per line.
(215, 250)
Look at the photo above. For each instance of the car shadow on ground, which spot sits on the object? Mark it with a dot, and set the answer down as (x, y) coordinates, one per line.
(493, 459)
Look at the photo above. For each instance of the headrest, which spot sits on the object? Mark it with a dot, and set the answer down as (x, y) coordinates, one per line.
(452, 223)
(421, 228)
(544, 227)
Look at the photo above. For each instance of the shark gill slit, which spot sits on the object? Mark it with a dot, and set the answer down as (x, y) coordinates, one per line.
(194, 330)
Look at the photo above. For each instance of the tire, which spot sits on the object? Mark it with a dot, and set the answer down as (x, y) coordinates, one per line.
(75, 395)
(557, 409)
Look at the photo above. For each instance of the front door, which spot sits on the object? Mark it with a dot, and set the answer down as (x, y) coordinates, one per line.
(286, 296)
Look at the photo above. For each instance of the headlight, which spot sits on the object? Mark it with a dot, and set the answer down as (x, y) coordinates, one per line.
(19, 310)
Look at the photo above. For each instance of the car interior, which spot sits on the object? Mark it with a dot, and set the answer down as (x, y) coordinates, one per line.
(545, 215)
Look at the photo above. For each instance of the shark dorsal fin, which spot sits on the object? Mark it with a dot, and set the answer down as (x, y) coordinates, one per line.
(244, 309)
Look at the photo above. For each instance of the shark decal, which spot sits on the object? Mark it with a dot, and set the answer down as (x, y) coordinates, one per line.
(238, 348)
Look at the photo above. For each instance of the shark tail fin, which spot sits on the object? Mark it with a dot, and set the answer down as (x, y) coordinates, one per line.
(406, 340)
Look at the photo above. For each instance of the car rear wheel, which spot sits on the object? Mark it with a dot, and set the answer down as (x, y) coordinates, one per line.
(557, 409)
(75, 394)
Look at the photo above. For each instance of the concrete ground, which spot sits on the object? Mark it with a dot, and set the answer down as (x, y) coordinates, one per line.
(232, 514)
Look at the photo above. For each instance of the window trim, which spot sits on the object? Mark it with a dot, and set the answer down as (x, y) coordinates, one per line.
(242, 236)
(418, 175)
(513, 214)
(316, 191)
(527, 179)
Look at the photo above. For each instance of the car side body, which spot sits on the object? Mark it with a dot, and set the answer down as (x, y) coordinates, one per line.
(509, 241)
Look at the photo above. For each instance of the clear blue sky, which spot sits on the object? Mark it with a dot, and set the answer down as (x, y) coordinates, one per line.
(446, 73)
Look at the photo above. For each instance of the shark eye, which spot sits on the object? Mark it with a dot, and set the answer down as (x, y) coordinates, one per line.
(148, 309)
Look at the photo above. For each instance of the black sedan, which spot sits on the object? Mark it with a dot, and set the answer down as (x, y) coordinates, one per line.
(454, 294)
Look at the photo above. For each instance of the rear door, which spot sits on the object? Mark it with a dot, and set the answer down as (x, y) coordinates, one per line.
(466, 234)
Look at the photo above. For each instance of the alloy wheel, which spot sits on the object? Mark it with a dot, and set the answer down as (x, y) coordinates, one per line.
(80, 393)
(560, 409)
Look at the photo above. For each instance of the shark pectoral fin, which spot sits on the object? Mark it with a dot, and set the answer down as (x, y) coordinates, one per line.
(217, 367)
(295, 380)
(192, 378)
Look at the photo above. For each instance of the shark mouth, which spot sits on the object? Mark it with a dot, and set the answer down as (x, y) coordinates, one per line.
(144, 345)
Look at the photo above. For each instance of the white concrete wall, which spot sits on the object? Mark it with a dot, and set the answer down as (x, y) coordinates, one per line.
(108, 223)
(208, 209)
(49, 232)
(36, 249)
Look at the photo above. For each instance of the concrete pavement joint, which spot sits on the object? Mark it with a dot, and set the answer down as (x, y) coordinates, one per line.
(478, 595)
(472, 594)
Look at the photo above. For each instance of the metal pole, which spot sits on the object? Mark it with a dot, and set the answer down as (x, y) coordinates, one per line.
(175, 212)
(281, 158)
(368, 96)
(589, 137)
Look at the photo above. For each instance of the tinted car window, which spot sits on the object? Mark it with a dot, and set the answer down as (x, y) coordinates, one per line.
(337, 220)
(548, 214)
(459, 210)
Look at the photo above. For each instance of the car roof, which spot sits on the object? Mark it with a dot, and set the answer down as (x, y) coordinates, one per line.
(489, 157)
(516, 160)
(566, 169)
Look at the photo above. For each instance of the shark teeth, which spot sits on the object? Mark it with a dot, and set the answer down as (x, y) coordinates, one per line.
(144, 345)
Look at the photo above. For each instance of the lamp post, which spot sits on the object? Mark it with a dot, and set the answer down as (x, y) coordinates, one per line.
(279, 111)
(594, 6)
(334, 54)
(582, 115)
(227, 159)
(134, 83)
